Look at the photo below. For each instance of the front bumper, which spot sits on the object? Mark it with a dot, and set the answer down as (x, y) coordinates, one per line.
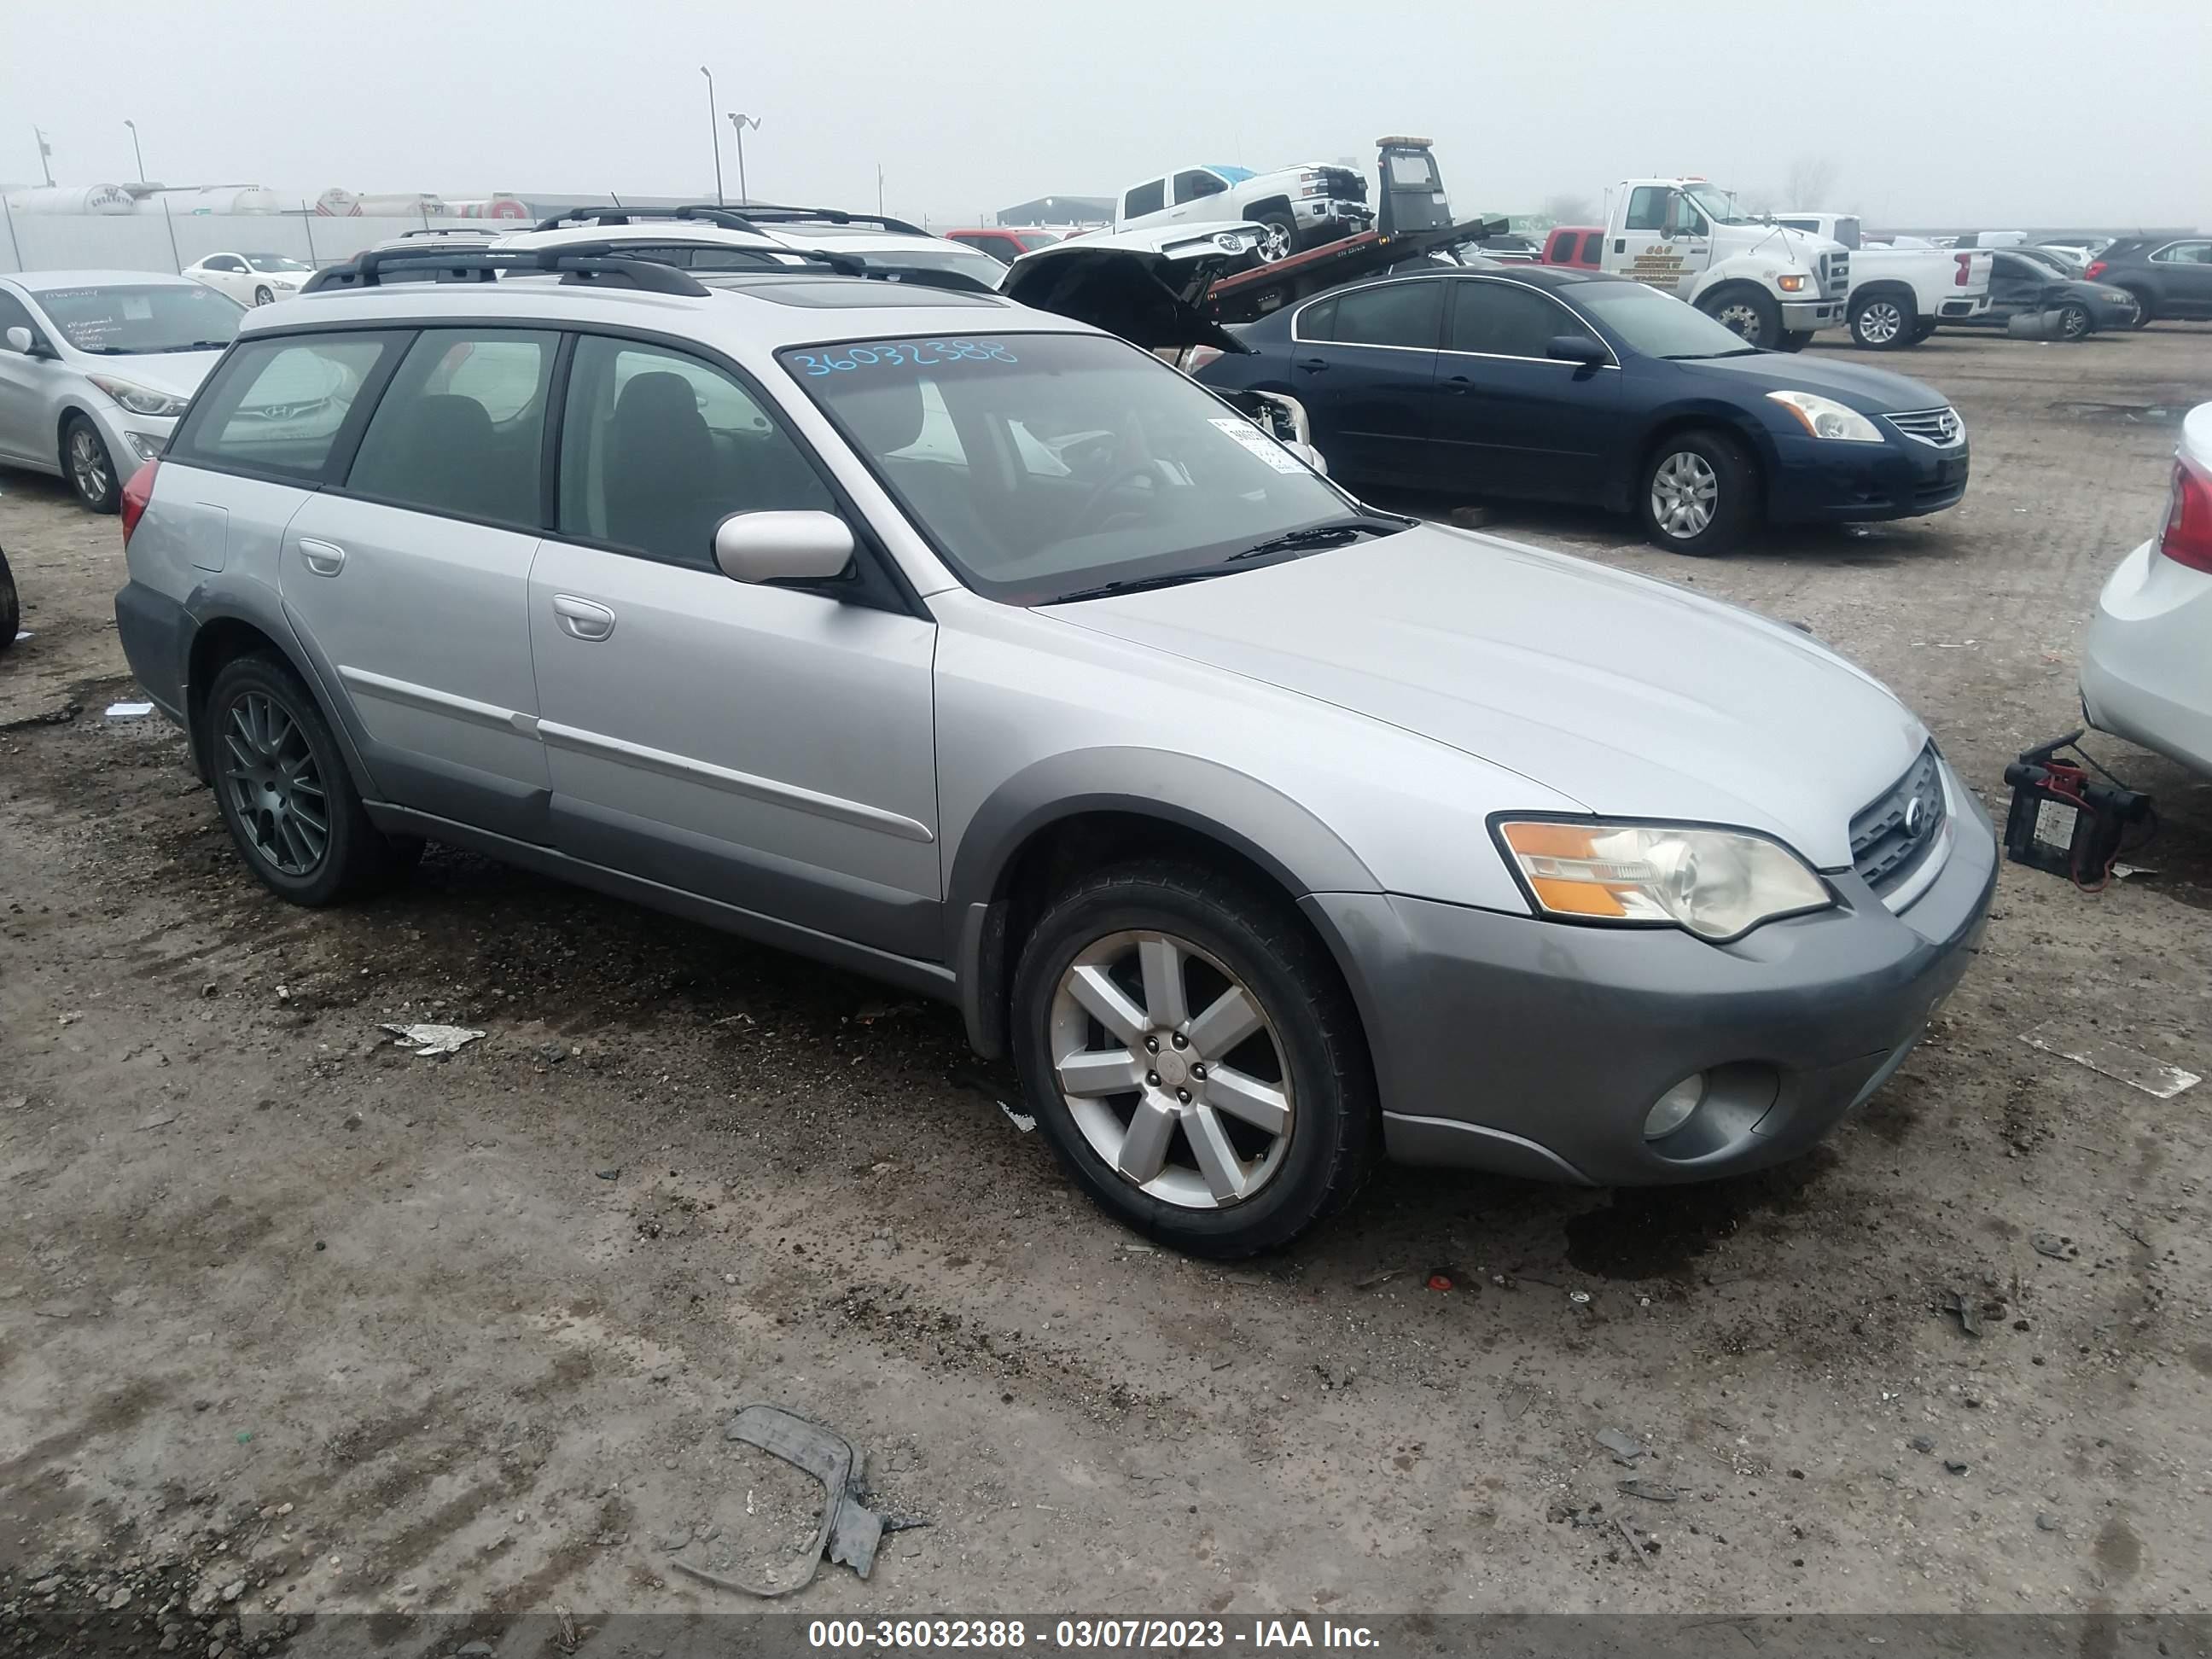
(132, 439)
(1822, 480)
(2146, 674)
(1319, 212)
(1804, 316)
(1537, 1048)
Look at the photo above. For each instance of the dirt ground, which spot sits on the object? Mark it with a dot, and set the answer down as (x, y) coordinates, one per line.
(291, 1316)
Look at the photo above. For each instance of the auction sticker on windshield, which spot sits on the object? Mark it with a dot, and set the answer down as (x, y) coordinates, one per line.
(1259, 443)
(901, 353)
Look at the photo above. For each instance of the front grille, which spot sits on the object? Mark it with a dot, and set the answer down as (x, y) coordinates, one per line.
(1342, 185)
(1940, 428)
(1891, 837)
(1835, 276)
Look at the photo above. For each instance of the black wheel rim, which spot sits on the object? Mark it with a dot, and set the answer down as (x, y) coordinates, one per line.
(2075, 323)
(273, 784)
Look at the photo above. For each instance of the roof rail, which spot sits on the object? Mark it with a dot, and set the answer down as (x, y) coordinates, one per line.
(480, 266)
(714, 215)
(952, 281)
(763, 213)
(432, 232)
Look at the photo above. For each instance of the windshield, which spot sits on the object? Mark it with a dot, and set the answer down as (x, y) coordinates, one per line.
(1655, 324)
(1042, 465)
(122, 321)
(275, 262)
(1717, 204)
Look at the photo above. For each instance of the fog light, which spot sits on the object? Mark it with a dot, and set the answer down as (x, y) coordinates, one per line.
(1675, 1107)
(147, 448)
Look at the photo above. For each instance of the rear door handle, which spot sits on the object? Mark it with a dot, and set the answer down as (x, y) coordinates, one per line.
(1313, 365)
(580, 619)
(323, 558)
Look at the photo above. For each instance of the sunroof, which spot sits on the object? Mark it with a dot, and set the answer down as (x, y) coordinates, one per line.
(850, 295)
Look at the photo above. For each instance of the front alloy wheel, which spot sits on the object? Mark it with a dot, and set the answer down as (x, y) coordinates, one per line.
(274, 785)
(1685, 494)
(1171, 1070)
(91, 473)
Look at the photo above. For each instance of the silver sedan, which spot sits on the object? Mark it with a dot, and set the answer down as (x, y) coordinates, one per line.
(96, 366)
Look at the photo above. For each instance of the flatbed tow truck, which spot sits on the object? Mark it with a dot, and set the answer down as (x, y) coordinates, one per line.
(1251, 294)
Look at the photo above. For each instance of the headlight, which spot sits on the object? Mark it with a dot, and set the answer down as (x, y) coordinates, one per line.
(1790, 284)
(1824, 417)
(140, 399)
(1716, 883)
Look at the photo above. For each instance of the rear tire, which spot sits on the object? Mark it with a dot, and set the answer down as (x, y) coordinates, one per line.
(1749, 312)
(1882, 322)
(2075, 322)
(89, 467)
(281, 783)
(1250, 1112)
(1698, 493)
(1924, 330)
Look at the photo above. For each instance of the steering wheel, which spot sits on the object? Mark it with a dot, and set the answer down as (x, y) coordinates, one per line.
(1090, 509)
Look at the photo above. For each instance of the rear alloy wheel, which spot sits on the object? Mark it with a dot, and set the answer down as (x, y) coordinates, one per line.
(284, 789)
(2073, 320)
(1881, 324)
(1281, 240)
(1194, 1058)
(1748, 312)
(91, 472)
(1697, 493)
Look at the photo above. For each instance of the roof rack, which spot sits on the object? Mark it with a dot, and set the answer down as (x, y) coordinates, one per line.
(763, 213)
(479, 265)
(712, 216)
(432, 232)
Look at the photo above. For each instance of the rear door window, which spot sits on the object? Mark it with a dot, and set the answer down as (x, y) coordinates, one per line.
(285, 405)
(1145, 199)
(1394, 314)
(462, 430)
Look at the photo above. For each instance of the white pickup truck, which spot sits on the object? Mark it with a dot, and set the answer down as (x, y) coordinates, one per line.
(1899, 295)
(1301, 206)
(1773, 286)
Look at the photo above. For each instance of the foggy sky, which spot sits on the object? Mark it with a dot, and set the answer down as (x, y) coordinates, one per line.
(1950, 112)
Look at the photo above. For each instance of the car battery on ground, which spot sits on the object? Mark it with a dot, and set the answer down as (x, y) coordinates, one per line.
(2064, 822)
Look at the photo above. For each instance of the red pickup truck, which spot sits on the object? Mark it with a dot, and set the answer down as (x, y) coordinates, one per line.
(1579, 245)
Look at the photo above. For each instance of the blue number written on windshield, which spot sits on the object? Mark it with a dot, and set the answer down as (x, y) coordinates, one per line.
(903, 354)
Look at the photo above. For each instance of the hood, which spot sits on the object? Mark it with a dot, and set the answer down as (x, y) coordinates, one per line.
(177, 373)
(1871, 390)
(1628, 696)
(1147, 286)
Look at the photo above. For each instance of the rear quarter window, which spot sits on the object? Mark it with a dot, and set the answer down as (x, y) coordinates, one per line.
(286, 405)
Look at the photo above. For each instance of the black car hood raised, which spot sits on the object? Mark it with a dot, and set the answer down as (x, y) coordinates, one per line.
(1870, 391)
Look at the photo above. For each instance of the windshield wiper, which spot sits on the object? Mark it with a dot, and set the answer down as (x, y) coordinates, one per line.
(1706, 356)
(1139, 584)
(1316, 537)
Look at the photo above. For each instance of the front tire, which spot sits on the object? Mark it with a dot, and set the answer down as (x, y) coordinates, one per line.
(1698, 493)
(1192, 1056)
(262, 297)
(1749, 312)
(88, 465)
(1881, 322)
(283, 787)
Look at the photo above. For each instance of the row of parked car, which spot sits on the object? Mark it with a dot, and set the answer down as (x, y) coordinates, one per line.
(846, 602)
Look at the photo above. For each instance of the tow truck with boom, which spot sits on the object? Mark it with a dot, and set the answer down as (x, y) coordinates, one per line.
(1774, 286)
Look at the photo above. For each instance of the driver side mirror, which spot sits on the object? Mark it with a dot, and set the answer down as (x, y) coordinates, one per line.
(20, 339)
(1576, 349)
(771, 547)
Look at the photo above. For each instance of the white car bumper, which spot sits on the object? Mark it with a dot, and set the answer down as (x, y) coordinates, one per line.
(2146, 667)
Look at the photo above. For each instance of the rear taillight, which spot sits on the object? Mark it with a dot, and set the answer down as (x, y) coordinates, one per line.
(2188, 536)
(2096, 270)
(135, 495)
(1965, 263)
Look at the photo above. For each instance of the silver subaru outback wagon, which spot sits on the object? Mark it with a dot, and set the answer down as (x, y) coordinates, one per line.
(965, 647)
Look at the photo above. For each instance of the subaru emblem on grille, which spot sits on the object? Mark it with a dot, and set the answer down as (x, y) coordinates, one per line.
(1915, 816)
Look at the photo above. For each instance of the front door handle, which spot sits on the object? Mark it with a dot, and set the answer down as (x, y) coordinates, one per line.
(1458, 385)
(582, 620)
(1313, 365)
(323, 558)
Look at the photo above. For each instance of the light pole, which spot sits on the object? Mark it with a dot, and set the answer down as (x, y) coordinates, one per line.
(741, 122)
(134, 150)
(713, 135)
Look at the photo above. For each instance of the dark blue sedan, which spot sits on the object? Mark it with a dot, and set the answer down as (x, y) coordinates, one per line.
(1570, 385)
